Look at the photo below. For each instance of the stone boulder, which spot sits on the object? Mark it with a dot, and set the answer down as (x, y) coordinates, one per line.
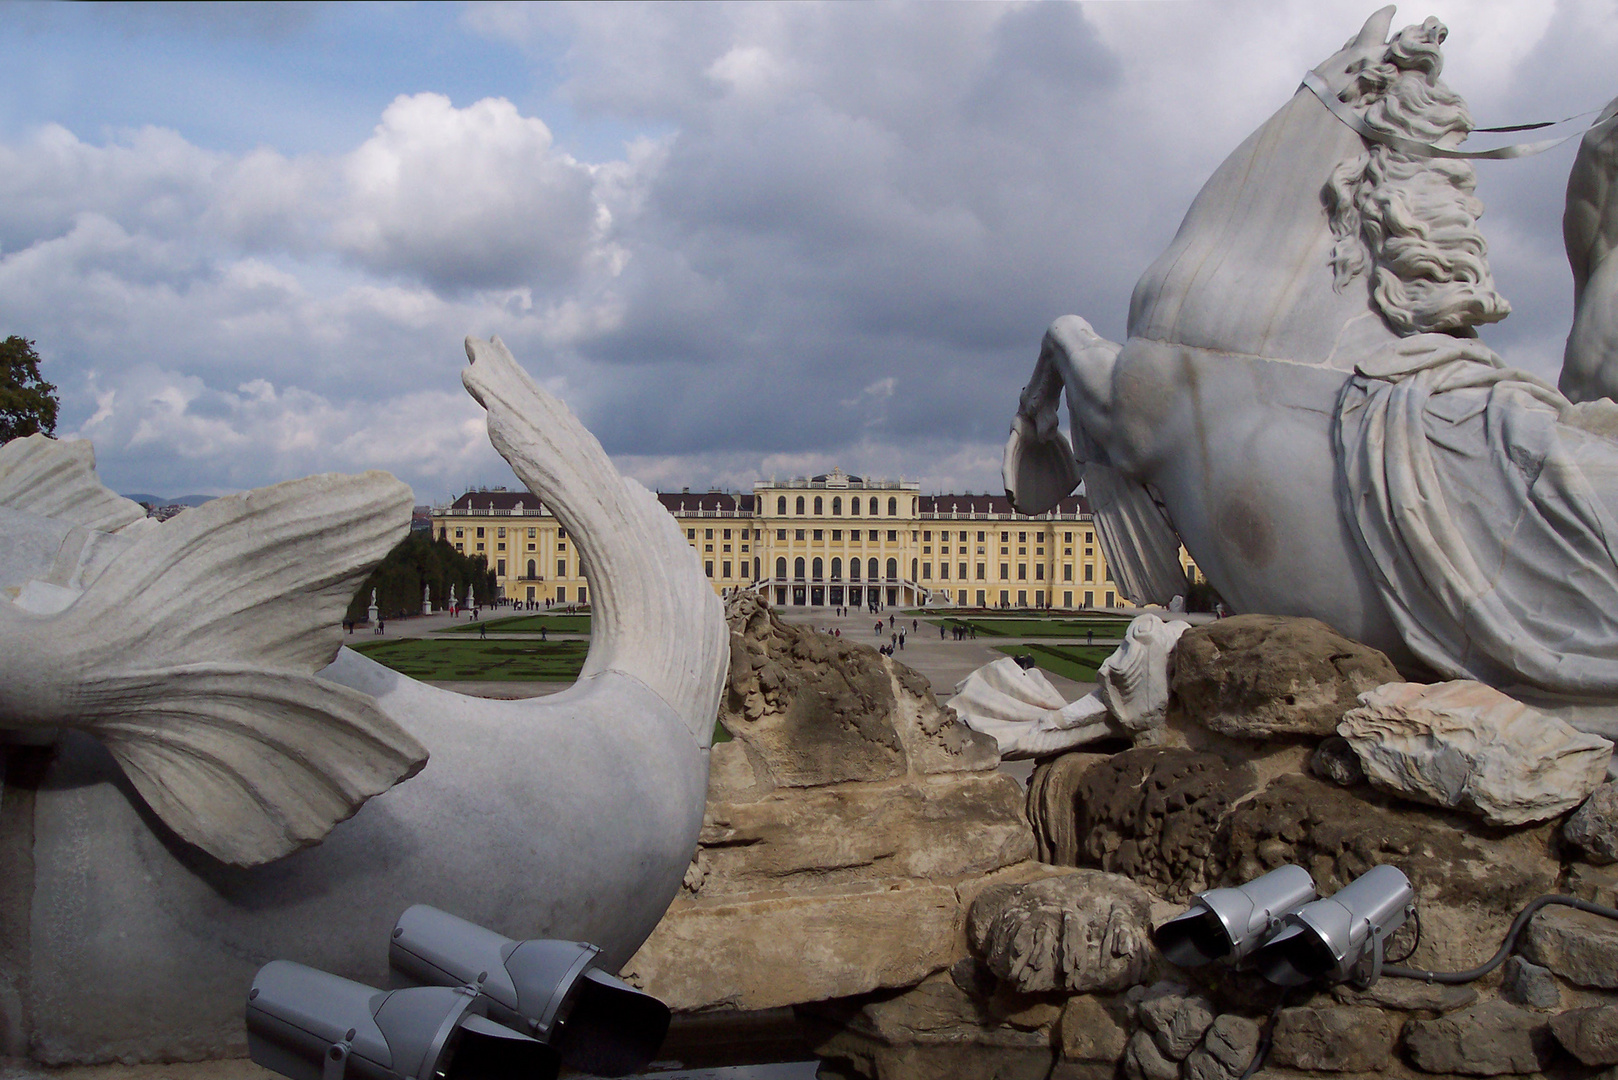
(932, 1030)
(847, 826)
(1495, 1038)
(1467, 746)
(1082, 931)
(1594, 826)
(1334, 1038)
(1153, 815)
(816, 709)
(1589, 1034)
(1579, 946)
(1053, 792)
(1261, 676)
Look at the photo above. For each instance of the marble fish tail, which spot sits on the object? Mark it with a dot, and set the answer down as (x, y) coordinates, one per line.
(192, 658)
(655, 617)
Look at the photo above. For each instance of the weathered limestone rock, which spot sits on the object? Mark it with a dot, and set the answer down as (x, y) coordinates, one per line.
(808, 885)
(760, 953)
(1408, 996)
(1579, 946)
(1492, 1039)
(1144, 1060)
(1090, 1031)
(1258, 676)
(824, 710)
(1594, 826)
(1468, 746)
(1176, 1022)
(1338, 836)
(1334, 1038)
(1589, 1034)
(1528, 984)
(930, 1031)
(1225, 1051)
(1597, 884)
(930, 827)
(1077, 932)
(1334, 759)
(1153, 814)
(1052, 806)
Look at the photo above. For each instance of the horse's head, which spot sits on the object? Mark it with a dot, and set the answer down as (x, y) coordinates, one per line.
(1312, 244)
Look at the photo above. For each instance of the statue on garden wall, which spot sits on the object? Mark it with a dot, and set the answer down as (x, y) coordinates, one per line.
(1304, 402)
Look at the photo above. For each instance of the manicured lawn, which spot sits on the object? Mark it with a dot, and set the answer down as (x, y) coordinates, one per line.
(494, 661)
(1073, 627)
(1076, 662)
(526, 624)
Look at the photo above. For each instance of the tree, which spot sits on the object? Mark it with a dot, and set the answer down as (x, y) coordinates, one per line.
(27, 402)
(420, 560)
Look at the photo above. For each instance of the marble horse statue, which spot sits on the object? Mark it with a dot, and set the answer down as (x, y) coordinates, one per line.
(1304, 402)
(227, 785)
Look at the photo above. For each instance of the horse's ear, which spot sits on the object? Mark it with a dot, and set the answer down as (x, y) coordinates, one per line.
(1375, 30)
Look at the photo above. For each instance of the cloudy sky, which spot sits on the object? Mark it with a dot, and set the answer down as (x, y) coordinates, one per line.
(740, 241)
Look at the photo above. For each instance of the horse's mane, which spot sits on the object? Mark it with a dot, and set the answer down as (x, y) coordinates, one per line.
(1411, 222)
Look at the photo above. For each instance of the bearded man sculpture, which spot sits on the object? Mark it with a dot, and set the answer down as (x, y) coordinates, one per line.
(1303, 399)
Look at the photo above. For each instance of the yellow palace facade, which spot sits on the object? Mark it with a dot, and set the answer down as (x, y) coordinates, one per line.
(824, 541)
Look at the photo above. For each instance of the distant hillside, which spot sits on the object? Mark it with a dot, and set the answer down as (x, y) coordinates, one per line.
(183, 500)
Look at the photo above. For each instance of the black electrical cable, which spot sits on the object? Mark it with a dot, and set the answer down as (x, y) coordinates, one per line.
(1471, 974)
(1415, 942)
(1266, 1037)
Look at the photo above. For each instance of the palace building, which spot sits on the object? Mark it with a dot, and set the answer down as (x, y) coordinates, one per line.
(825, 541)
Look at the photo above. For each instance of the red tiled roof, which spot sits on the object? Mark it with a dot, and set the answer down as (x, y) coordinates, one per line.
(497, 500)
(689, 502)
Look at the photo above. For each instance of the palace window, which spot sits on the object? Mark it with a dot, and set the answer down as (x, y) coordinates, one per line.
(893, 569)
(873, 534)
(797, 568)
(480, 532)
(499, 547)
(781, 568)
(873, 571)
(533, 570)
(1022, 571)
(927, 535)
(893, 536)
(854, 506)
(690, 534)
(818, 504)
(781, 505)
(707, 534)
(797, 534)
(726, 535)
(818, 569)
(500, 533)
(1022, 538)
(853, 569)
(724, 570)
(1089, 573)
(707, 568)
(800, 504)
(780, 534)
(820, 534)
(1039, 571)
(836, 506)
(927, 570)
(561, 568)
(963, 574)
(1067, 574)
(837, 534)
(500, 567)
(893, 507)
(837, 569)
(1005, 571)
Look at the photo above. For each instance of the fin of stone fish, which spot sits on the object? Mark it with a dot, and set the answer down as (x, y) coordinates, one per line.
(200, 645)
(56, 478)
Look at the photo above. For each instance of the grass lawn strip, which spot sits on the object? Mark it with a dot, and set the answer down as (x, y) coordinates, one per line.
(480, 661)
(1054, 628)
(1076, 662)
(526, 624)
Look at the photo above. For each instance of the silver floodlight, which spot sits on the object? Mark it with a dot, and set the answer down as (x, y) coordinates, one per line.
(553, 990)
(1342, 936)
(311, 1025)
(1227, 924)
